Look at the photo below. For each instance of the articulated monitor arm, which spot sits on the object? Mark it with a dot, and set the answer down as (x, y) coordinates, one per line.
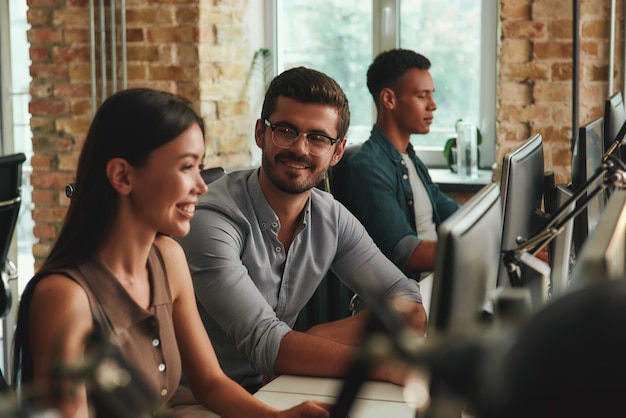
(612, 171)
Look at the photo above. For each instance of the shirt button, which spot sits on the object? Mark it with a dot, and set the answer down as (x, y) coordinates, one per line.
(155, 342)
(405, 177)
(162, 367)
(274, 224)
(163, 392)
(277, 249)
(410, 202)
(263, 225)
(403, 162)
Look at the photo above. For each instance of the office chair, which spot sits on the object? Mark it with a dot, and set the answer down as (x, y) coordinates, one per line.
(10, 201)
(337, 175)
(211, 174)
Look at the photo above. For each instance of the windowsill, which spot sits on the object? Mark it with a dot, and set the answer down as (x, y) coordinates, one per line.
(452, 182)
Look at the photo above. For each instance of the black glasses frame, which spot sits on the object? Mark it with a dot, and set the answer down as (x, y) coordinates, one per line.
(273, 126)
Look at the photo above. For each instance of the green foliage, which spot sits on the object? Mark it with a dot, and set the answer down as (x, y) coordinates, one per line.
(261, 70)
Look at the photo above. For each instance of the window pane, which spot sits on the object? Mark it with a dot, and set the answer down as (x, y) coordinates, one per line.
(335, 37)
(448, 33)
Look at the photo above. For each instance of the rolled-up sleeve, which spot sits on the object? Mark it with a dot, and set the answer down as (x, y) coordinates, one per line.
(226, 293)
(364, 268)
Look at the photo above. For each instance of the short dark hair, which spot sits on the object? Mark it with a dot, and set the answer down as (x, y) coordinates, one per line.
(308, 86)
(389, 66)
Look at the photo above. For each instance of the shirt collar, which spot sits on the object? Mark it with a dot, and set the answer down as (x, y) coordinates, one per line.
(266, 217)
(378, 137)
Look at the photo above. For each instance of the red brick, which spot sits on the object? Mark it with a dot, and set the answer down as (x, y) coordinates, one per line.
(42, 3)
(39, 17)
(560, 29)
(173, 34)
(48, 107)
(515, 10)
(58, 70)
(40, 162)
(553, 50)
(524, 29)
(38, 53)
(75, 54)
(561, 71)
(173, 73)
(66, 90)
(76, 35)
(43, 197)
(71, 17)
(45, 35)
(45, 231)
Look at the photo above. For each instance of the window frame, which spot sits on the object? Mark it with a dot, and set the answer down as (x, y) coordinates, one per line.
(387, 35)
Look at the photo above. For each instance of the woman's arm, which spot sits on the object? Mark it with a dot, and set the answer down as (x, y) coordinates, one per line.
(59, 322)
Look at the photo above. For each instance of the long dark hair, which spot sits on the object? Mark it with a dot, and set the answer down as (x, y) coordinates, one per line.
(130, 125)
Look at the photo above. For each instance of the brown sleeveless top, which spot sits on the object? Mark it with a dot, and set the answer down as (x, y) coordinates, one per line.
(145, 336)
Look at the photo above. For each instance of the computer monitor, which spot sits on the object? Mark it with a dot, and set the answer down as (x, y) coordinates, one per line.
(614, 118)
(466, 262)
(603, 256)
(561, 256)
(522, 185)
(586, 159)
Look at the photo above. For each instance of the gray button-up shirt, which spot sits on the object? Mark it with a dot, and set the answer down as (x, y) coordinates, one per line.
(250, 290)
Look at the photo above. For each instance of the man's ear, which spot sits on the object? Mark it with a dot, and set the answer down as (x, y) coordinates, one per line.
(387, 98)
(341, 146)
(118, 173)
(259, 129)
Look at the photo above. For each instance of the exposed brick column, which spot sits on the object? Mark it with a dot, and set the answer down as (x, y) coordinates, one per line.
(535, 86)
(195, 48)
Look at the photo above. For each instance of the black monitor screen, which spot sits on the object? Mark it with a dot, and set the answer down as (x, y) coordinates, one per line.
(614, 118)
(522, 187)
(466, 262)
(586, 159)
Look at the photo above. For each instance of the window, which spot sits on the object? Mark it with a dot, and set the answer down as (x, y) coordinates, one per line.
(15, 137)
(16, 133)
(341, 38)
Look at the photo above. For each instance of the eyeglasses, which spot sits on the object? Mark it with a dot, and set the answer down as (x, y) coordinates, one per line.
(284, 137)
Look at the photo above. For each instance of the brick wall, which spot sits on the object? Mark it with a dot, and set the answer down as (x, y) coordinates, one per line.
(195, 48)
(200, 49)
(535, 85)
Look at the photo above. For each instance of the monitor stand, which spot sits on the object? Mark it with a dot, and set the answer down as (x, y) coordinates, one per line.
(535, 276)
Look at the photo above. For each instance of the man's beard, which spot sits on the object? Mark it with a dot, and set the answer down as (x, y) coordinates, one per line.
(288, 186)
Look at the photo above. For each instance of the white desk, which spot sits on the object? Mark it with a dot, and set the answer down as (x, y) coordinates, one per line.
(375, 399)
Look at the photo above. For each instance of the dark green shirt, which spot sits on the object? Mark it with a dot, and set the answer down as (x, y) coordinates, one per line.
(381, 197)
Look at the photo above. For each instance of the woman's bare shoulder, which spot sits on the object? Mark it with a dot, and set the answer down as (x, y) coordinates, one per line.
(169, 247)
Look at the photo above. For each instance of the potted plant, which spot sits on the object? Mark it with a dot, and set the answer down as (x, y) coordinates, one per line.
(450, 145)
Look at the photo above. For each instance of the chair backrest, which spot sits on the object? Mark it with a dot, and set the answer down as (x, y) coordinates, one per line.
(10, 201)
(337, 174)
(211, 174)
